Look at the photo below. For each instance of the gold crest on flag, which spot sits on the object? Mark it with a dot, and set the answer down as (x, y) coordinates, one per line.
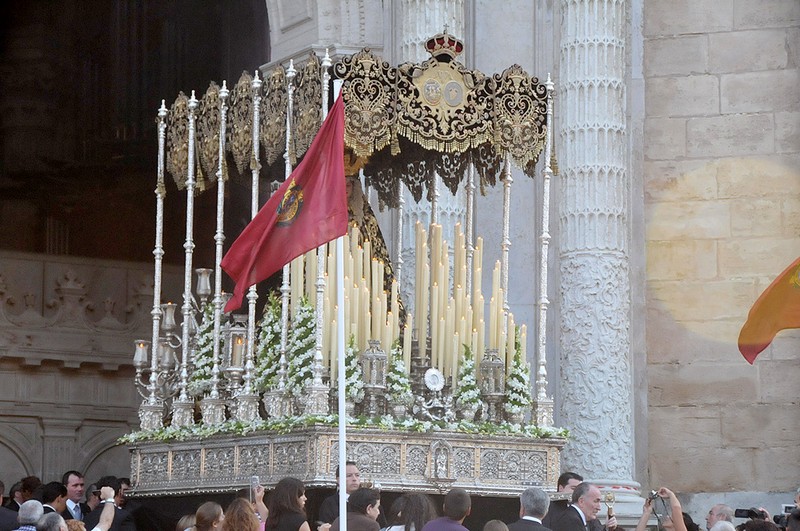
(290, 205)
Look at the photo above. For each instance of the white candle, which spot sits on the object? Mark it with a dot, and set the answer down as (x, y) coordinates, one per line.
(237, 351)
(492, 323)
(474, 346)
(407, 335)
(441, 342)
(510, 347)
(334, 359)
(422, 311)
(501, 347)
(456, 356)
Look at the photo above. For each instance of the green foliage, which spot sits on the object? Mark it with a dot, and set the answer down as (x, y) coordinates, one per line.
(202, 356)
(268, 346)
(286, 425)
(300, 349)
(518, 382)
(397, 382)
(353, 377)
(467, 393)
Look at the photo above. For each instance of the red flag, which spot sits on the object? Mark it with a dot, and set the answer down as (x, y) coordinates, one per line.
(776, 309)
(309, 209)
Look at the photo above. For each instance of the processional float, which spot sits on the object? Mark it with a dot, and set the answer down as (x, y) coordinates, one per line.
(438, 395)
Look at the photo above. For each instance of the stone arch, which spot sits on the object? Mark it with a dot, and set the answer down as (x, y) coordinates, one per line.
(15, 462)
(101, 455)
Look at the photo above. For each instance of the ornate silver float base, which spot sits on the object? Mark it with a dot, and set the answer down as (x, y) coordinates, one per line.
(213, 410)
(317, 401)
(403, 461)
(151, 416)
(543, 413)
(247, 408)
(182, 412)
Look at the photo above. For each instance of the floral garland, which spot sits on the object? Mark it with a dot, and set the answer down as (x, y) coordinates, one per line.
(353, 376)
(202, 354)
(386, 423)
(397, 382)
(467, 394)
(268, 342)
(300, 349)
(518, 382)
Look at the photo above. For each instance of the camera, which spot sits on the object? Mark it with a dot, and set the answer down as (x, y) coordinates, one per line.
(752, 513)
(652, 496)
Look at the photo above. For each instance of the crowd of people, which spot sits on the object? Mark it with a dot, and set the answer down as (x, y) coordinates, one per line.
(70, 506)
(65, 505)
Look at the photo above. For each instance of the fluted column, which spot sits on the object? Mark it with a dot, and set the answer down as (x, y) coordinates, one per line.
(594, 258)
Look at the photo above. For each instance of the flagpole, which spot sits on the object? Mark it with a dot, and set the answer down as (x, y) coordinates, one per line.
(340, 340)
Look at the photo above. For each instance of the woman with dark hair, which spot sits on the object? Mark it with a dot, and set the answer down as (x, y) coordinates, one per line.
(240, 516)
(208, 517)
(287, 507)
(363, 508)
(410, 512)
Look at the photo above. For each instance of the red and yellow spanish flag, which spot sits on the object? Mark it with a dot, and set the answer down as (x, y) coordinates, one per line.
(309, 209)
(776, 309)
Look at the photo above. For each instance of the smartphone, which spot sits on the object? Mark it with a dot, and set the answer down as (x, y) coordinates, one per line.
(254, 483)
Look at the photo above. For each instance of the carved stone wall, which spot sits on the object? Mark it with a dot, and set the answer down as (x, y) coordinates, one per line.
(348, 25)
(67, 327)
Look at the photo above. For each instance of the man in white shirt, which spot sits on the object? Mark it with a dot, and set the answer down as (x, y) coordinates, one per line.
(533, 505)
(75, 484)
(55, 522)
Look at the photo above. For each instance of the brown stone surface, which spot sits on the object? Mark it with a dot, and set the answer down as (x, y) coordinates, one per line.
(758, 176)
(666, 138)
(742, 256)
(787, 132)
(753, 92)
(688, 219)
(682, 96)
(685, 54)
(704, 384)
(730, 135)
(756, 217)
(747, 51)
(687, 341)
(681, 259)
(766, 13)
(687, 16)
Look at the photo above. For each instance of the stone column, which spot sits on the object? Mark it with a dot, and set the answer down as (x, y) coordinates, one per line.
(595, 365)
(419, 21)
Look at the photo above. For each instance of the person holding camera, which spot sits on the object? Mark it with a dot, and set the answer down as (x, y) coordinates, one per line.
(665, 521)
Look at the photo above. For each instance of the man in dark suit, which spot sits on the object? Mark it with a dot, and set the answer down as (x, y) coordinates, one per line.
(533, 505)
(585, 505)
(560, 502)
(53, 497)
(8, 518)
(75, 484)
(14, 498)
(123, 520)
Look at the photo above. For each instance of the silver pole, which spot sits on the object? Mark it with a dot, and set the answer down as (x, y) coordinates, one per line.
(470, 188)
(290, 74)
(506, 244)
(219, 238)
(252, 295)
(544, 404)
(152, 419)
(183, 406)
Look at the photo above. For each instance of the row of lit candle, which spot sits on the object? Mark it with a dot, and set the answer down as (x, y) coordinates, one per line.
(446, 311)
